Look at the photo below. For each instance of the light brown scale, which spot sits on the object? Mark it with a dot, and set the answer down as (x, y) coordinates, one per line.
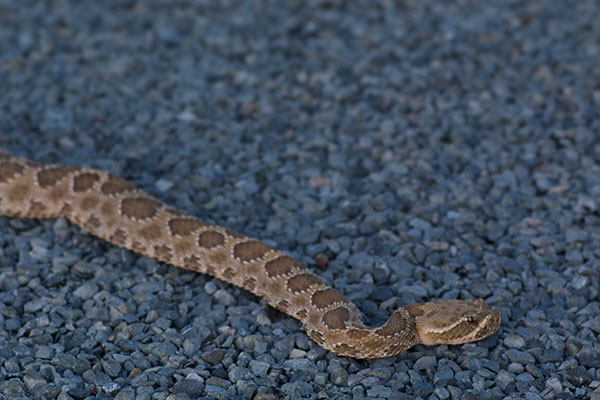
(114, 209)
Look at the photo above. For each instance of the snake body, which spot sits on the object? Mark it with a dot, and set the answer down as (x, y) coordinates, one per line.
(117, 211)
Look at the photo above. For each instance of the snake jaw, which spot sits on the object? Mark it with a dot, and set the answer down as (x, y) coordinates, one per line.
(454, 321)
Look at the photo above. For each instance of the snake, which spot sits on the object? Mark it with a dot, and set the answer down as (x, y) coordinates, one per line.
(117, 211)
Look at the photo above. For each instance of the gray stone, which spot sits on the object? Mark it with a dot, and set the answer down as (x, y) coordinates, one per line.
(212, 390)
(578, 376)
(192, 387)
(503, 379)
(238, 373)
(514, 341)
(44, 352)
(296, 389)
(13, 388)
(520, 357)
(224, 297)
(33, 382)
(441, 393)
(515, 368)
(379, 391)
(425, 362)
(589, 358)
(554, 384)
(125, 394)
(297, 364)
(214, 356)
(443, 375)
(112, 368)
(259, 368)
(86, 291)
(337, 375)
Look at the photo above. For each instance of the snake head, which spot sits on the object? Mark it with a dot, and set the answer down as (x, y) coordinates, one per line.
(454, 321)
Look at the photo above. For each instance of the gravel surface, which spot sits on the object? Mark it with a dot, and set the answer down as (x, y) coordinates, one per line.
(415, 149)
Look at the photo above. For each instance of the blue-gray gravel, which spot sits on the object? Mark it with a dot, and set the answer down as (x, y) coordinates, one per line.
(428, 149)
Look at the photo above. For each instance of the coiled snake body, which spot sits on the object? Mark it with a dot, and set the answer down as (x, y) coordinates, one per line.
(115, 210)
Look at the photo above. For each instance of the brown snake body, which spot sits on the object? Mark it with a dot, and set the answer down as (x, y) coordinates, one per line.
(115, 210)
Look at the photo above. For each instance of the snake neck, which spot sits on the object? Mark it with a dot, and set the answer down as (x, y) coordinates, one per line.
(356, 340)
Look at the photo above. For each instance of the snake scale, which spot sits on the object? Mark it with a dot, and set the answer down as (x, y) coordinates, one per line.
(117, 211)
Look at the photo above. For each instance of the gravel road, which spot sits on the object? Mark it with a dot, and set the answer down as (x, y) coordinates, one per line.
(413, 150)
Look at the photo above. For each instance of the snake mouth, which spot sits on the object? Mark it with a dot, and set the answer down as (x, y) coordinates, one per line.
(486, 327)
(489, 326)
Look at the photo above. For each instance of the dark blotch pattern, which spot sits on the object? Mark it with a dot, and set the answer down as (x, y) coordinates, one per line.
(251, 250)
(51, 176)
(302, 282)
(281, 266)
(210, 239)
(185, 226)
(9, 170)
(324, 298)
(115, 185)
(139, 208)
(85, 181)
(398, 322)
(336, 319)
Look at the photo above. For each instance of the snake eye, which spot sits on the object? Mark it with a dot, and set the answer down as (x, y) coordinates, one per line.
(471, 319)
